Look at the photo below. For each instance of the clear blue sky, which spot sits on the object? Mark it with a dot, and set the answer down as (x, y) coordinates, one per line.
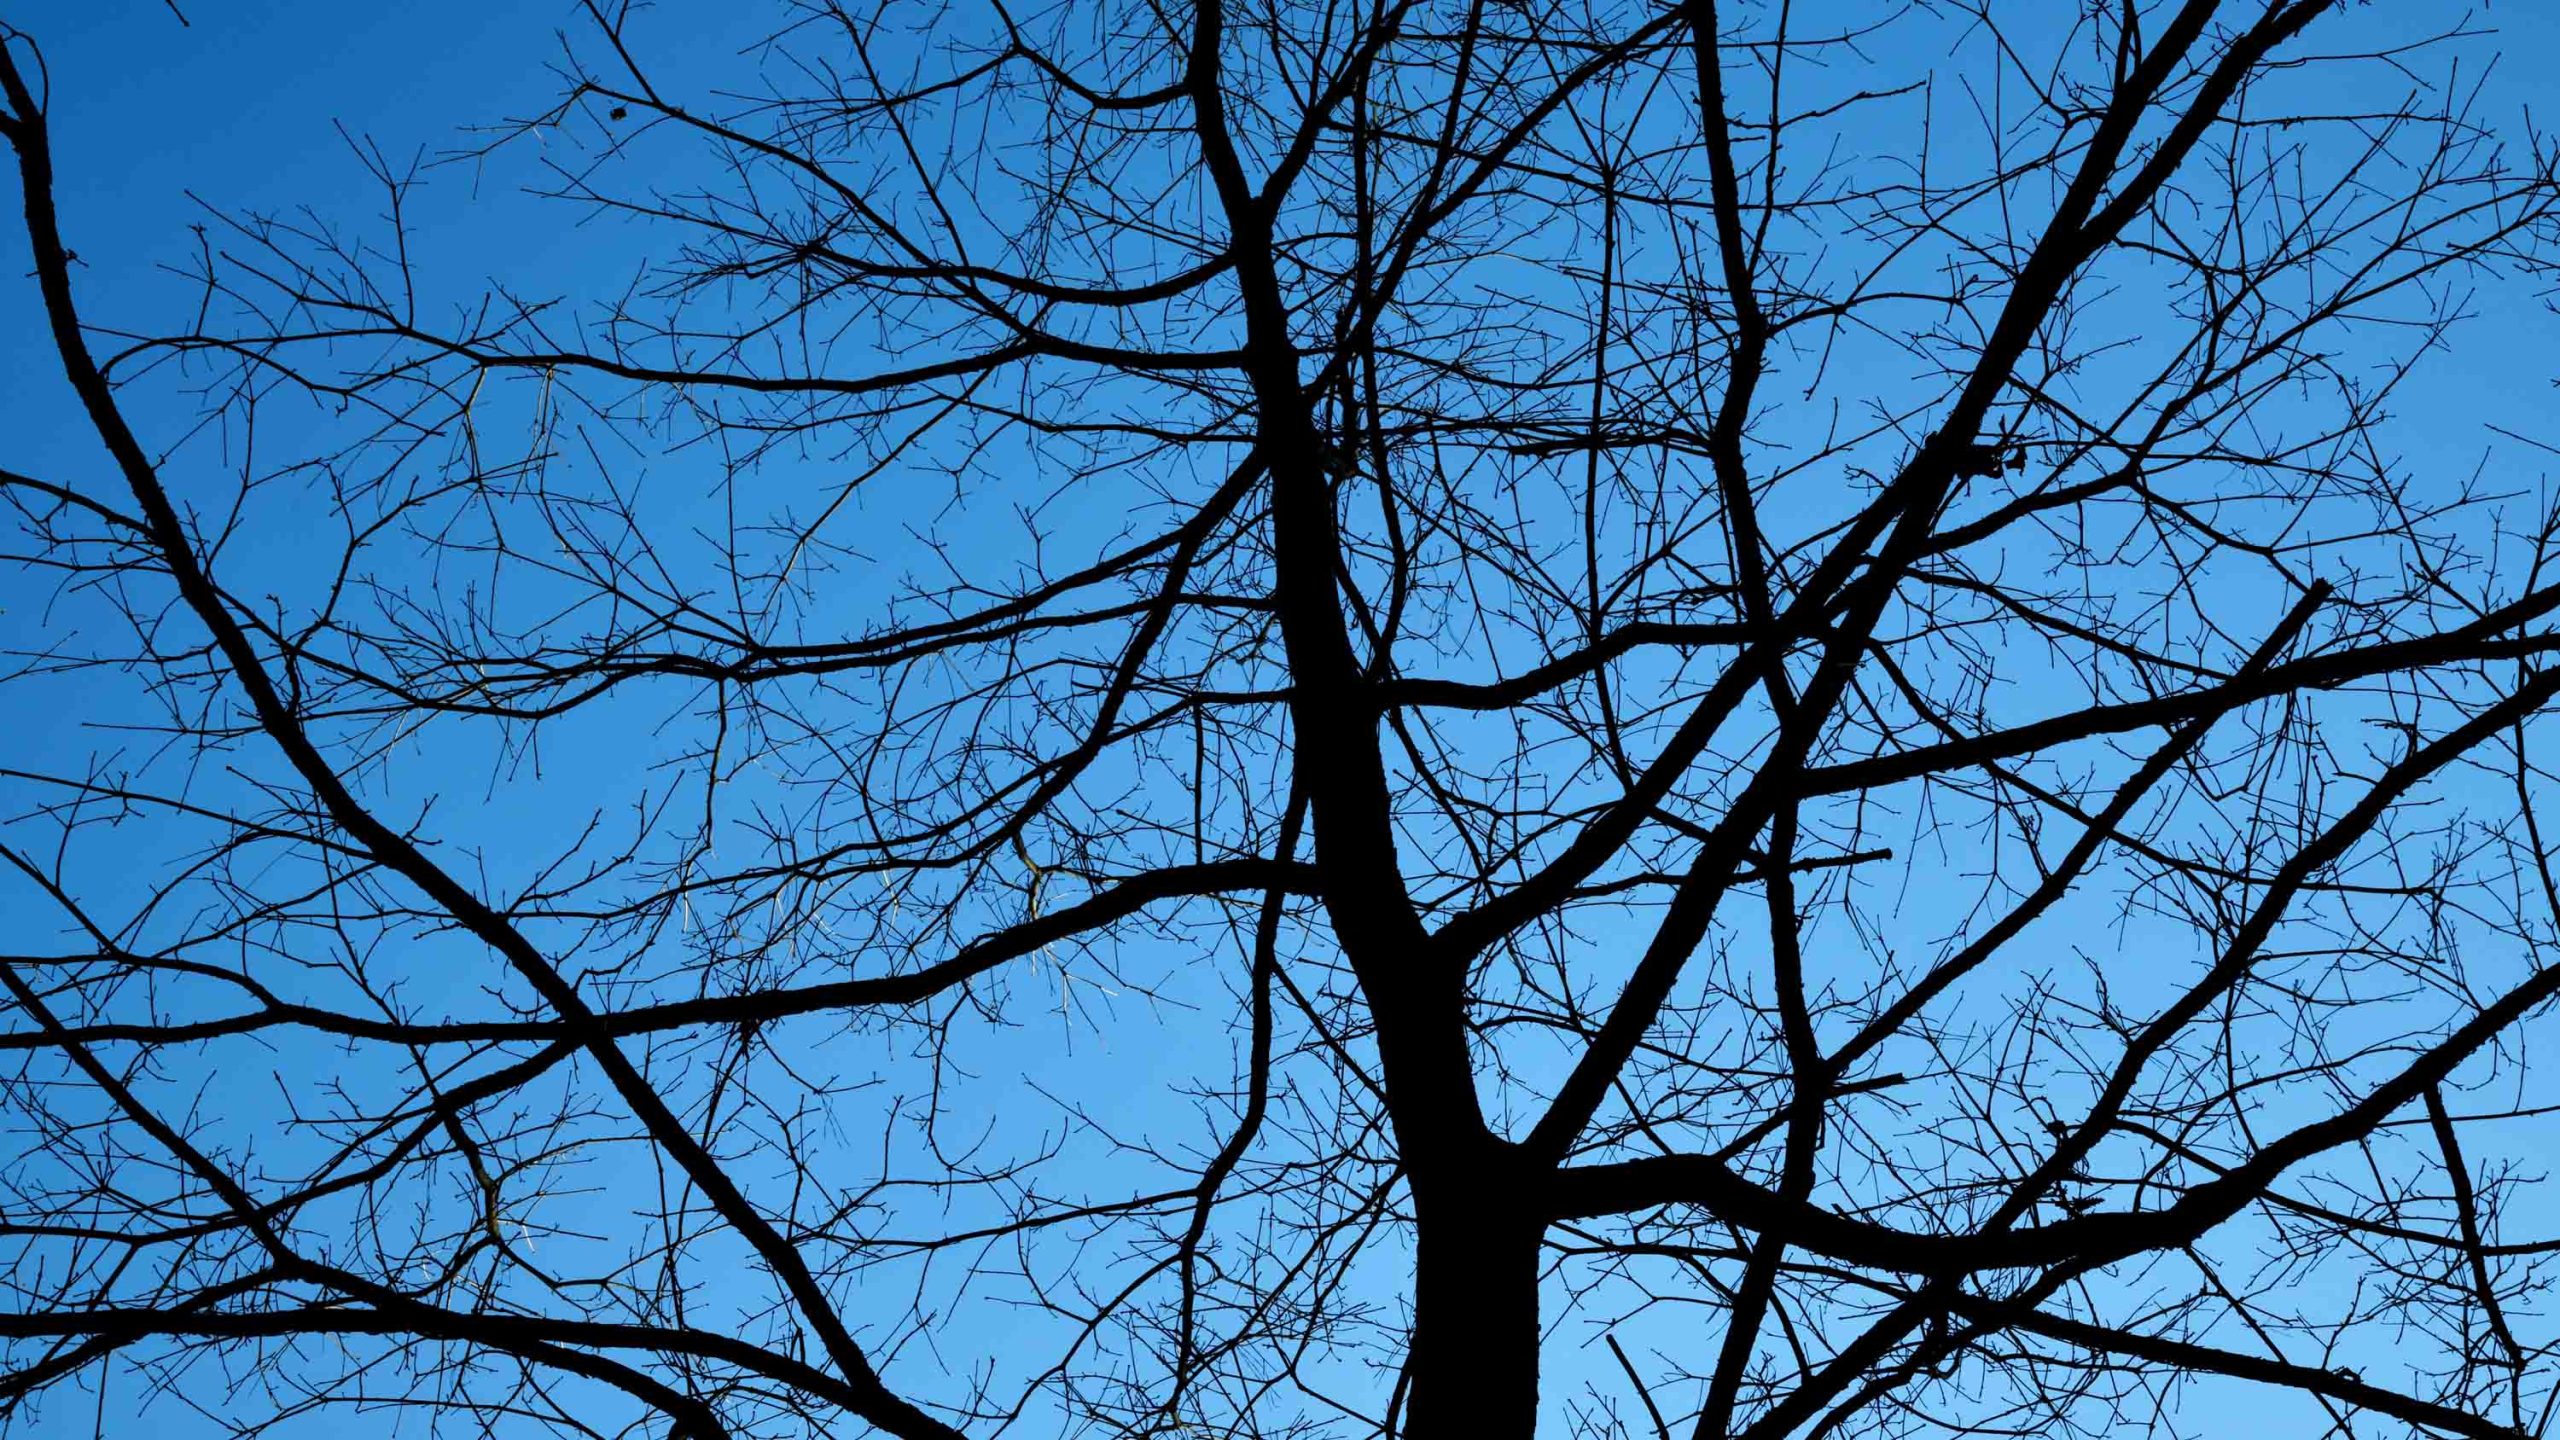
(236, 109)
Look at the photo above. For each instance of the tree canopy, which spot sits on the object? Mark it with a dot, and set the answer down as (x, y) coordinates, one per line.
(1399, 717)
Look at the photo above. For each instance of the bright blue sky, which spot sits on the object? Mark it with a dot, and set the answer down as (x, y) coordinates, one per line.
(242, 110)
(238, 109)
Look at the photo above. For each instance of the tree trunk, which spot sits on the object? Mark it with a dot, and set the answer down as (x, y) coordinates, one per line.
(1475, 1342)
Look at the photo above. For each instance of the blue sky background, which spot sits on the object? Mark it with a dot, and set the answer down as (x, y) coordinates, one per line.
(237, 110)
(257, 109)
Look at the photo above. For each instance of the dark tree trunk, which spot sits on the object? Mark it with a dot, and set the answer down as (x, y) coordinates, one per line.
(1475, 1343)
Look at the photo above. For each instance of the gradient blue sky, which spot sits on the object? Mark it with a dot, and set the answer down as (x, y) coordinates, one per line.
(241, 108)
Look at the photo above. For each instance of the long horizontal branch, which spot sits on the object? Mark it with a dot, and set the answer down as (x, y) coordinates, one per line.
(2207, 1359)
(512, 1333)
(2470, 644)
(746, 1008)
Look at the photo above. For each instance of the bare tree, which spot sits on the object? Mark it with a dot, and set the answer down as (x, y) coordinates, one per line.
(1312, 719)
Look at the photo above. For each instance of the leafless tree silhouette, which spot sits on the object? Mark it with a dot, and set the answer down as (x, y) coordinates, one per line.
(1313, 718)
